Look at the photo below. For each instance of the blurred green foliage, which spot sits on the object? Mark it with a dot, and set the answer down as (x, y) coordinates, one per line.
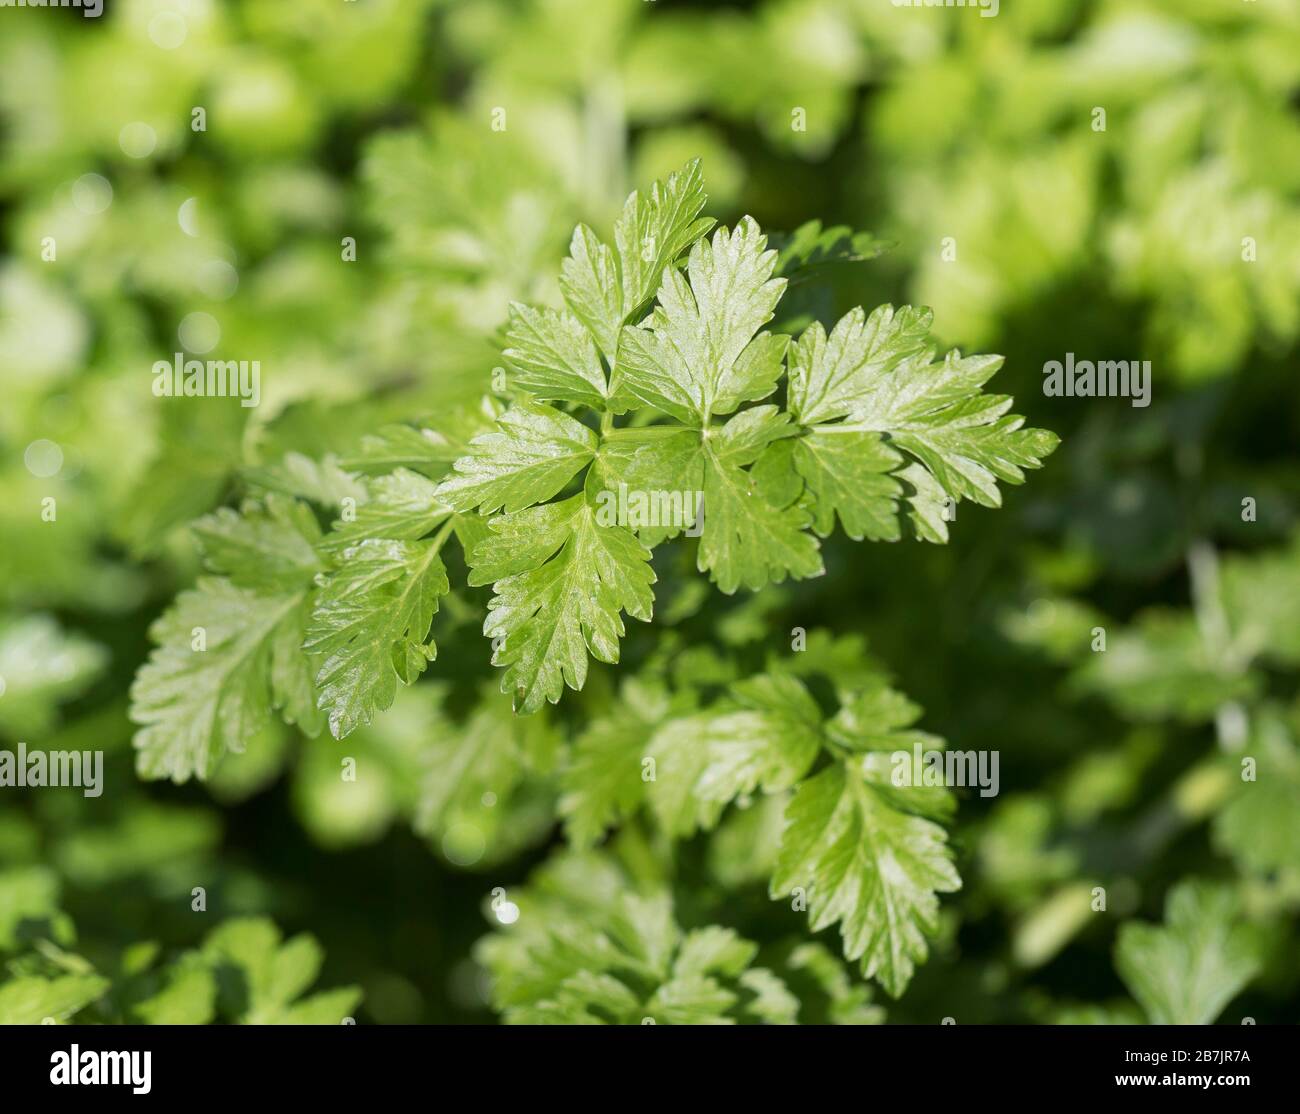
(1115, 178)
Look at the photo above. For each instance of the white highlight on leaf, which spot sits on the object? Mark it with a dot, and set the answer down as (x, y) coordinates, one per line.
(43, 458)
(463, 845)
(168, 30)
(199, 332)
(137, 140)
(217, 279)
(187, 216)
(92, 193)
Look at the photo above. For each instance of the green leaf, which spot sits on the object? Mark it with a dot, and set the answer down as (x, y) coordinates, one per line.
(402, 505)
(875, 718)
(561, 582)
(751, 538)
(194, 705)
(403, 446)
(1261, 597)
(41, 666)
(834, 377)
(261, 978)
(742, 849)
(861, 861)
(605, 288)
(969, 446)
(554, 357)
(655, 228)
(929, 506)
(878, 374)
(849, 1001)
(322, 481)
(493, 753)
(772, 1003)
(229, 650)
(1187, 971)
(144, 840)
(810, 247)
(603, 782)
(1107, 1013)
(29, 907)
(875, 722)
(711, 950)
(582, 957)
(30, 999)
(845, 661)
(697, 353)
(847, 475)
(187, 997)
(341, 814)
(269, 547)
(371, 625)
(590, 282)
(180, 484)
(1160, 667)
(856, 846)
(767, 738)
(691, 1000)
(535, 451)
(658, 460)
(1260, 825)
